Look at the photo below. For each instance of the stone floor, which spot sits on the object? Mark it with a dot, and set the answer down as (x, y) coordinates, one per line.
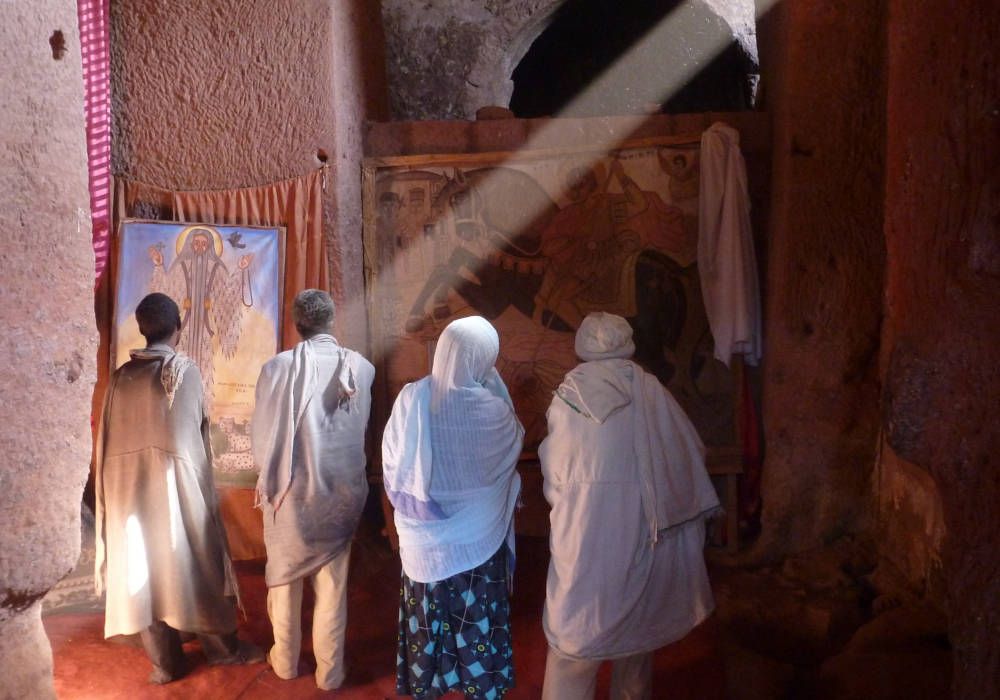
(829, 624)
(87, 666)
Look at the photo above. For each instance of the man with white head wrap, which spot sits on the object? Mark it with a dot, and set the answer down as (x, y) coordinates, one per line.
(449, 455)
(308, 433)
(625, 475)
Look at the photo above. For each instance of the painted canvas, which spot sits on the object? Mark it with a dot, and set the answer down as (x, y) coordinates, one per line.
(534, 241)
(227, 281)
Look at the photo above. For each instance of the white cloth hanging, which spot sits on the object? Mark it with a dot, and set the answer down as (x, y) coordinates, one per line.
(726, 261)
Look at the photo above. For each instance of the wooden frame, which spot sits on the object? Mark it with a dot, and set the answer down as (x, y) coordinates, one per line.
(231, 325)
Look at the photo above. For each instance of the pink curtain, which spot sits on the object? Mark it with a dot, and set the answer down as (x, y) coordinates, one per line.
(94, 50)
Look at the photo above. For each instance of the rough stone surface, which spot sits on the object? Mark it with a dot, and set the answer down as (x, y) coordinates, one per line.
(800, 613)
(448, 58)
(903, 654)
(25, 657)
(46, 310)
(828, 624)
(754, 676)
(824, 269)
(241, 93)
(909, 523)
(359, 93)
(214, 95)
(943, 242)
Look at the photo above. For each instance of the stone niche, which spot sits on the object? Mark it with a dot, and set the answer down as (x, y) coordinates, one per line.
(49, 340)
(448, 58)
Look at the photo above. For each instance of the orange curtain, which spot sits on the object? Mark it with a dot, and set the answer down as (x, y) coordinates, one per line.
(295, 204)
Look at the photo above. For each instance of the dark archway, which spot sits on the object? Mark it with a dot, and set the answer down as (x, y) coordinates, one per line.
(673, 56)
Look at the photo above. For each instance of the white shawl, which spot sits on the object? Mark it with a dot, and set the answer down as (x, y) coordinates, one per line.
(449, 456)
(273, 430)
(625, 476)
(726, 261)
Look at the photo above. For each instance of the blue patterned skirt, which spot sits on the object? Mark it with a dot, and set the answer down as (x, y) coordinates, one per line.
(455, 634)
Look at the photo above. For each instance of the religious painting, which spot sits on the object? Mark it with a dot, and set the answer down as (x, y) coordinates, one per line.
(534, 241)
(227, 282)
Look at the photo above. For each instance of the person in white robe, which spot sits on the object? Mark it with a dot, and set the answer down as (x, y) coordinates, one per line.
(161, 546)
(624, 472)
(308, 434)
(449, 458)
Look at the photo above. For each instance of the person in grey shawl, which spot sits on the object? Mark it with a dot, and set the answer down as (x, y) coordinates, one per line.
(161, 546)
(624, 472)
(308, 435)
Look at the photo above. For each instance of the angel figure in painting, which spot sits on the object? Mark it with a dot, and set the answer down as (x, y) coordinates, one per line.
(210, 297)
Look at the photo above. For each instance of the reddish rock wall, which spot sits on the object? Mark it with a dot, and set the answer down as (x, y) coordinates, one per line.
(822, 81)
(943, 288)
(245, 92)
(48, 339)
(448, 58)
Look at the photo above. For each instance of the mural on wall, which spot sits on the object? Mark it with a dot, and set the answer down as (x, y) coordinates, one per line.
(534, 241)
(227, 281)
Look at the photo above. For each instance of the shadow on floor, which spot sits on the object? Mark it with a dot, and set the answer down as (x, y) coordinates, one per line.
(87, 666)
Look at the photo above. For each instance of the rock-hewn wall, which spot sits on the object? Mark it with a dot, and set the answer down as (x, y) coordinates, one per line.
(825, 268)
(448, 58)
(223, 94)
(942, 300)
(46, 311)
(244, 92)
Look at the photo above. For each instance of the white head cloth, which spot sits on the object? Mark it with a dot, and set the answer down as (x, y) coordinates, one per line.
(603, 336)
(449, 453)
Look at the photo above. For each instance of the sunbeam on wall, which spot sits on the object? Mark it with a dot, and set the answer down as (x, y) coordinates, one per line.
(637, 67)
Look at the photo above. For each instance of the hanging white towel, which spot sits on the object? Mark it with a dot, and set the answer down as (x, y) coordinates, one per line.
(726, 260)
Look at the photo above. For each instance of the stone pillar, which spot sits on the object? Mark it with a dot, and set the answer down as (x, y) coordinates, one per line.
(822, 81)
(48, 338)
(942, 230)
(359, 95)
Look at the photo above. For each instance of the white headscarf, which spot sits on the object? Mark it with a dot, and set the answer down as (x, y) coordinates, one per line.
(456, 430)
(464, 362)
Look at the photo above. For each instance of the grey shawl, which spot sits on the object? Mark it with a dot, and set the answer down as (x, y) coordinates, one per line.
(161, 547)
(308, 430)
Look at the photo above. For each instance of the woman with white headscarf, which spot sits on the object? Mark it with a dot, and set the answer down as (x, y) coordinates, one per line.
(449, 454)
(624, 472)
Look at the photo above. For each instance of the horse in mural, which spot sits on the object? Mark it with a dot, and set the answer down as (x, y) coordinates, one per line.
(601, 252)
(507, 245)
(497, 216)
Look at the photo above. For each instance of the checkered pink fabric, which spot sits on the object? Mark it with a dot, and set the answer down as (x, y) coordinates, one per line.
(94, 48)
